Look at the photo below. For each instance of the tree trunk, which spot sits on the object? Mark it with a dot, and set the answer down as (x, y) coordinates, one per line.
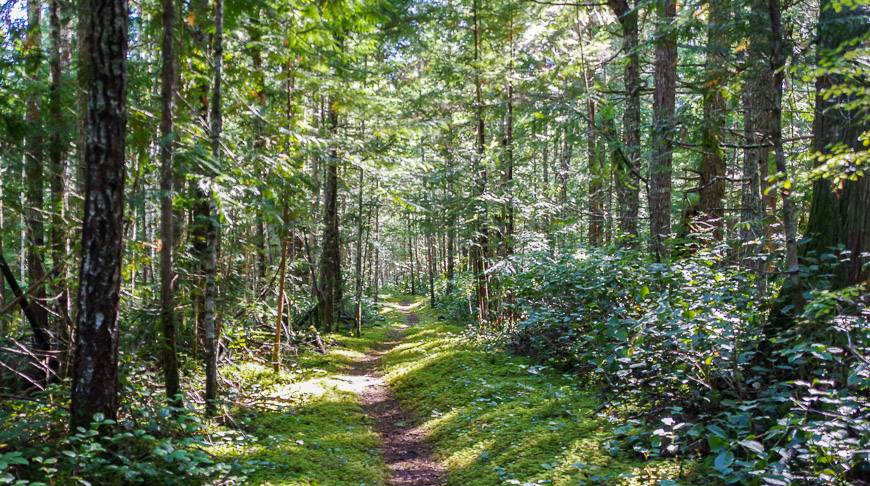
(58, 161)
(596, 189)
(788, 210)
(33, 168)
(451, 225)
(627, 182)
(508, 175)
(431, 261)
(481, 237)
(840, 216)
(258, 76)
(664, 99)
(712, 170)
(167, 146)
(213, 233)
(199, 220)
(95, 367)
(376, 277)
(758, 106)
(411, 255)
(330, 258)
(282, 278)
(4, 324)
(359, 255)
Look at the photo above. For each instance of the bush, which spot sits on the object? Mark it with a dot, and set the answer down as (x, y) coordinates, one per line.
(149, 444)
(680, 354)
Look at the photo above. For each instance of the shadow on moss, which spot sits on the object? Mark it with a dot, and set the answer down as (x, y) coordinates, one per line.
(494, 418)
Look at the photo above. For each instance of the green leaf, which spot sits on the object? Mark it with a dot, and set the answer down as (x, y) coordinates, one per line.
(723, 461)
(753, 445)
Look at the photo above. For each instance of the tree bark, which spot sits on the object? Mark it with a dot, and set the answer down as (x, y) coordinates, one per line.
(481, 237)
(376, 277)
(758, 106)
(359, 255)
(57, 162)
(95, 367)
(411, 255)
(788, 210)
(712, 170)
(508, 175)
(167, 146)
(258, 76)
(430, 260)
(664, 99)
(213, 233)
(451, 224)
(330, 258)
(34, 229)
(840, 216)
(627, 183)
(282, 278)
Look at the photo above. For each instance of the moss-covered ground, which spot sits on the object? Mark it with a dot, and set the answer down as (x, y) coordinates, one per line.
(499, 419)
(492, 418)
(305, 430)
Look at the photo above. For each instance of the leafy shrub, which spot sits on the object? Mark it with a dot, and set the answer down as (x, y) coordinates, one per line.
(680, 353)
(149, 444)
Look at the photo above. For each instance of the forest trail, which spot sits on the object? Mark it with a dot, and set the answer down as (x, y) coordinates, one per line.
(408, 457)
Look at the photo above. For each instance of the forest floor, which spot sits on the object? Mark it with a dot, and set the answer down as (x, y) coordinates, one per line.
(414, 402)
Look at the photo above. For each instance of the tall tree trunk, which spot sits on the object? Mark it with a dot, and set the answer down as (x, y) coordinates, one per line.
(508, 174)
(451, 224)
(57, 161)
(596, 172)
(712, 170)
(376, 277)
(664, 99)
(788, 210)
(282, 276)
(167, 146)
(627, 182)
(199, 219)
(95, 367)
(840, 216)
(35, 235)
(3, 322)
(359, 255)
(411, 255)
(758, 106)
(213, 235)
(330, 258)
(259, 142)
(481, 237)
(430, 260)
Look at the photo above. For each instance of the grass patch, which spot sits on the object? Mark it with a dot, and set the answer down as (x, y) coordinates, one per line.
(303, 429)
(495, 418)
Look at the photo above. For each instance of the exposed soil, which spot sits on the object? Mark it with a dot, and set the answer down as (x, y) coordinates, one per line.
(405, 451)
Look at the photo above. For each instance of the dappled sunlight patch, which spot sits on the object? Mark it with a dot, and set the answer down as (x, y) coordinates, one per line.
(464, 457)
(499, 419)
(310, 429)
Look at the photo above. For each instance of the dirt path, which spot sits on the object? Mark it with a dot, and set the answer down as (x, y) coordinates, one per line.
(408, 457)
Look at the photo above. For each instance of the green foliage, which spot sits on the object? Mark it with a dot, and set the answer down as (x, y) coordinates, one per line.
(681, 355)
(150, 443)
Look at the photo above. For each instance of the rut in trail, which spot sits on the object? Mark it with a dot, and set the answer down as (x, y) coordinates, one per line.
(405, 451)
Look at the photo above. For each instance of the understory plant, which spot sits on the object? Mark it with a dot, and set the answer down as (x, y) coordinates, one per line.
(685, 359)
